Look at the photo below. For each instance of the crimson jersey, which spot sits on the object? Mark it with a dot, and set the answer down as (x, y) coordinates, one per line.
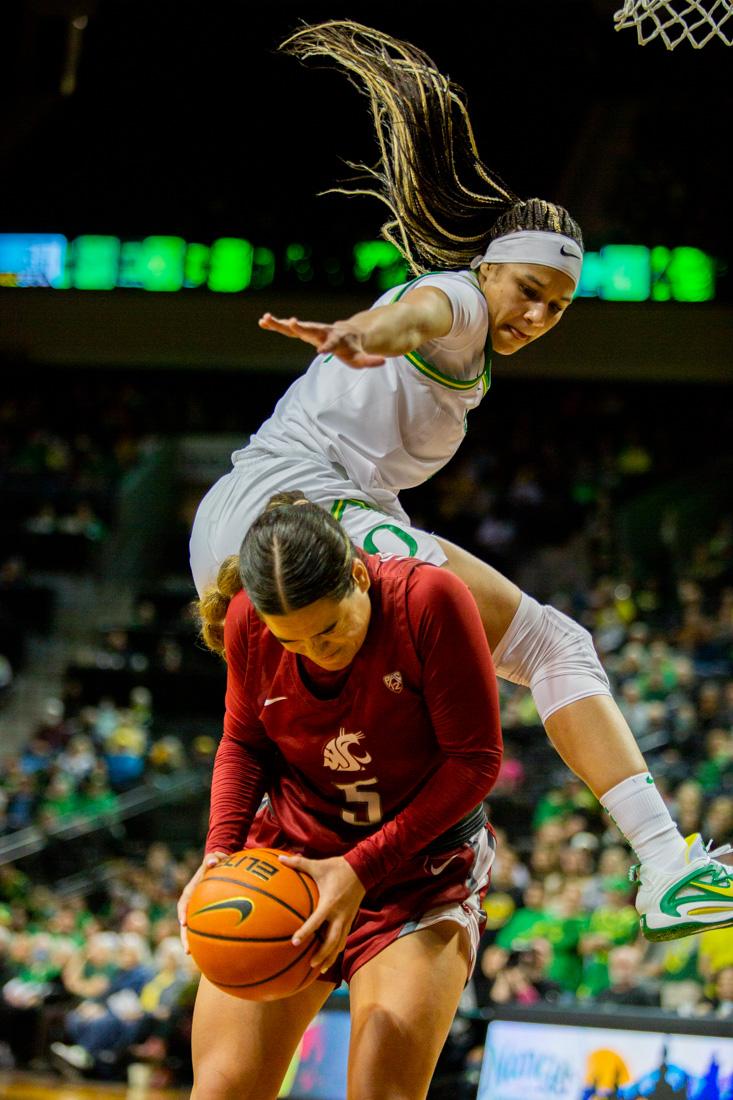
(409, 745)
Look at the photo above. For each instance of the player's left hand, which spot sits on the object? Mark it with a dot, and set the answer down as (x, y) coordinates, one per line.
(340, 894)
(210, 860)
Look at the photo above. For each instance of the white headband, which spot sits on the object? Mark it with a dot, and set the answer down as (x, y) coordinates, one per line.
(535, 246)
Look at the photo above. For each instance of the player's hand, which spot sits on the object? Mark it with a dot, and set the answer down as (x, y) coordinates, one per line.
(211, 859)
(340, 894)
(341, 339)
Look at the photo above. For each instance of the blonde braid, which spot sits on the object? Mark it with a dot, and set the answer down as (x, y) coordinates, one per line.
(210, 611)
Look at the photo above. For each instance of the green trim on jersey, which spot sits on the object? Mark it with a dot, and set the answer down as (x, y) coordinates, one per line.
(432, 372)
(339, 507)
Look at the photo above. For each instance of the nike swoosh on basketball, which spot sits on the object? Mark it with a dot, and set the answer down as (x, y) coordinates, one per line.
(566, 252)
(243, 906)
(275, 699)
(442, 866)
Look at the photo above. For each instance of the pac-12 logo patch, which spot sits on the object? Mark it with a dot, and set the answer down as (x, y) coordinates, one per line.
(338, 756)
(393, 680)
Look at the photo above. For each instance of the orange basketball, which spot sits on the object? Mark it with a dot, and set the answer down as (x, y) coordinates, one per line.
(240, 919)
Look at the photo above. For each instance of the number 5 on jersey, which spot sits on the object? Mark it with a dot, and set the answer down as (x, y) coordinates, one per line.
(367, 805)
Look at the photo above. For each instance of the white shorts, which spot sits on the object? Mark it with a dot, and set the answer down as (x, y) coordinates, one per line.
(375, 521)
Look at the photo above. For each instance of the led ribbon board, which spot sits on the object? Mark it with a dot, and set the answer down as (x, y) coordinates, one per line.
(230, 265)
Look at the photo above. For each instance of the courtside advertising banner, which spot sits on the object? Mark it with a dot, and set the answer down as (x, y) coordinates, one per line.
(318, 1070)
(527, 1061)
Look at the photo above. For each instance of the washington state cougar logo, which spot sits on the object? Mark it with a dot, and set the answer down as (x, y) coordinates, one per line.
(337, 753)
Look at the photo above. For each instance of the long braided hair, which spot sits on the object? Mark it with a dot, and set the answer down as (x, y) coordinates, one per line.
(445, 204)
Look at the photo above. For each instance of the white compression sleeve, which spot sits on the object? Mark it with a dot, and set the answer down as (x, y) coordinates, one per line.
(552, 655)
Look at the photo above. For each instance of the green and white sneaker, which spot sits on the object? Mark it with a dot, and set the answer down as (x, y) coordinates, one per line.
(680, 903)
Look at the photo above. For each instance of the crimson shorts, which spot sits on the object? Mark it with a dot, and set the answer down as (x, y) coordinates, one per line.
(422, 891)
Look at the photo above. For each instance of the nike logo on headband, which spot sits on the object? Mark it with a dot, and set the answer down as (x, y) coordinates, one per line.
(566, 252)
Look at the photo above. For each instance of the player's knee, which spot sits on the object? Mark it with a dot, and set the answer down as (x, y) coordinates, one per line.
(553, 655)
(218, 1080)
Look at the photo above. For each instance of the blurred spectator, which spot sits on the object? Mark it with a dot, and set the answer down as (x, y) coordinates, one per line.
(687, 807)
(36, 757)
(715, 772)
(167, 755)
(626, 981)
(89, 972)
(717, 820)
(522, 978)
(78, 759)
(720, 1001)
(125, 754)
(59, 802)
(530, 919)
(95, 797)
(715, 951)
(22, 798)
(673, 966)
(511, 775)
(613, 923)
(564, 933)
(103, 1032)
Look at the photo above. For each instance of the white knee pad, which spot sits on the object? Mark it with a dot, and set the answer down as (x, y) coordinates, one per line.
(553, 656)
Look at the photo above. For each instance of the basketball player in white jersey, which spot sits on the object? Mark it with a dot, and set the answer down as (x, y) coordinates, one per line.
(384, 405)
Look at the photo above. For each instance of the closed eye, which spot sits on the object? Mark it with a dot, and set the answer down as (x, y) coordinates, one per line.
(533, 294)
(322, 634)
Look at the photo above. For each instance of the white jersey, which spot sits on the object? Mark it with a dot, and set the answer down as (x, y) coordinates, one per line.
(394, 426)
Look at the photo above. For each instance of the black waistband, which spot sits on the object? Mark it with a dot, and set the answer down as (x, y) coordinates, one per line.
(461, 832)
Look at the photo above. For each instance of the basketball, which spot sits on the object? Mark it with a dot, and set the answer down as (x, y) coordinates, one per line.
(240, 920)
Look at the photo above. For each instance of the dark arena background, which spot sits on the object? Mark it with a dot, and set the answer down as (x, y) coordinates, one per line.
(160, 170)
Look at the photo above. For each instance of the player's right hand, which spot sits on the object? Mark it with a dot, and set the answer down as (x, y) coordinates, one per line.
(341, 339)
(211, 859)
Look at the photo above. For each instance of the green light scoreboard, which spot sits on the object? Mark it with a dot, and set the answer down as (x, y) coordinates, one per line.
(231, 265)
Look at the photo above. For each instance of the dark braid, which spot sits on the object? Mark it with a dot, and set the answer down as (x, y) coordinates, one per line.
(537, 214)
(443, 199)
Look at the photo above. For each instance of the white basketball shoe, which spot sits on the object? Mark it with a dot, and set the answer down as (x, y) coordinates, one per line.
(673, 904)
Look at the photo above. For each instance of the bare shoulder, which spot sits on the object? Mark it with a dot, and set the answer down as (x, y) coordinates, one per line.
(432, 308)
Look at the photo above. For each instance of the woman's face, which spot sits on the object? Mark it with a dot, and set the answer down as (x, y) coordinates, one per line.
(328, 632)
(525, 301)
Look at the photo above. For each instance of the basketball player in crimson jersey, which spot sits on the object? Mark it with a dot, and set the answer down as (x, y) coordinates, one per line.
(361, 700)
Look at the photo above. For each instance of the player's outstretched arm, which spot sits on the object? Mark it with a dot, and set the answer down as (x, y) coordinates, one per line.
(368, 338)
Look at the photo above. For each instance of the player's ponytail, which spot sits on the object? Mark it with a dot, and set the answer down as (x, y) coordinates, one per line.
(444, 201)
(210, 611)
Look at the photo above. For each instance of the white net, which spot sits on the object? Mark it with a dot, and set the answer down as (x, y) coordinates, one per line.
(675, 21)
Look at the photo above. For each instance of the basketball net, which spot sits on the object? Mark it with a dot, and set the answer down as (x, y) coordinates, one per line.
(675, 21)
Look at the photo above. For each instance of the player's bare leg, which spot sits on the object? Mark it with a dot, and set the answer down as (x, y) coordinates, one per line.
(402, 1005)
(590, 735)
(242, 1049)
(683, 890)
